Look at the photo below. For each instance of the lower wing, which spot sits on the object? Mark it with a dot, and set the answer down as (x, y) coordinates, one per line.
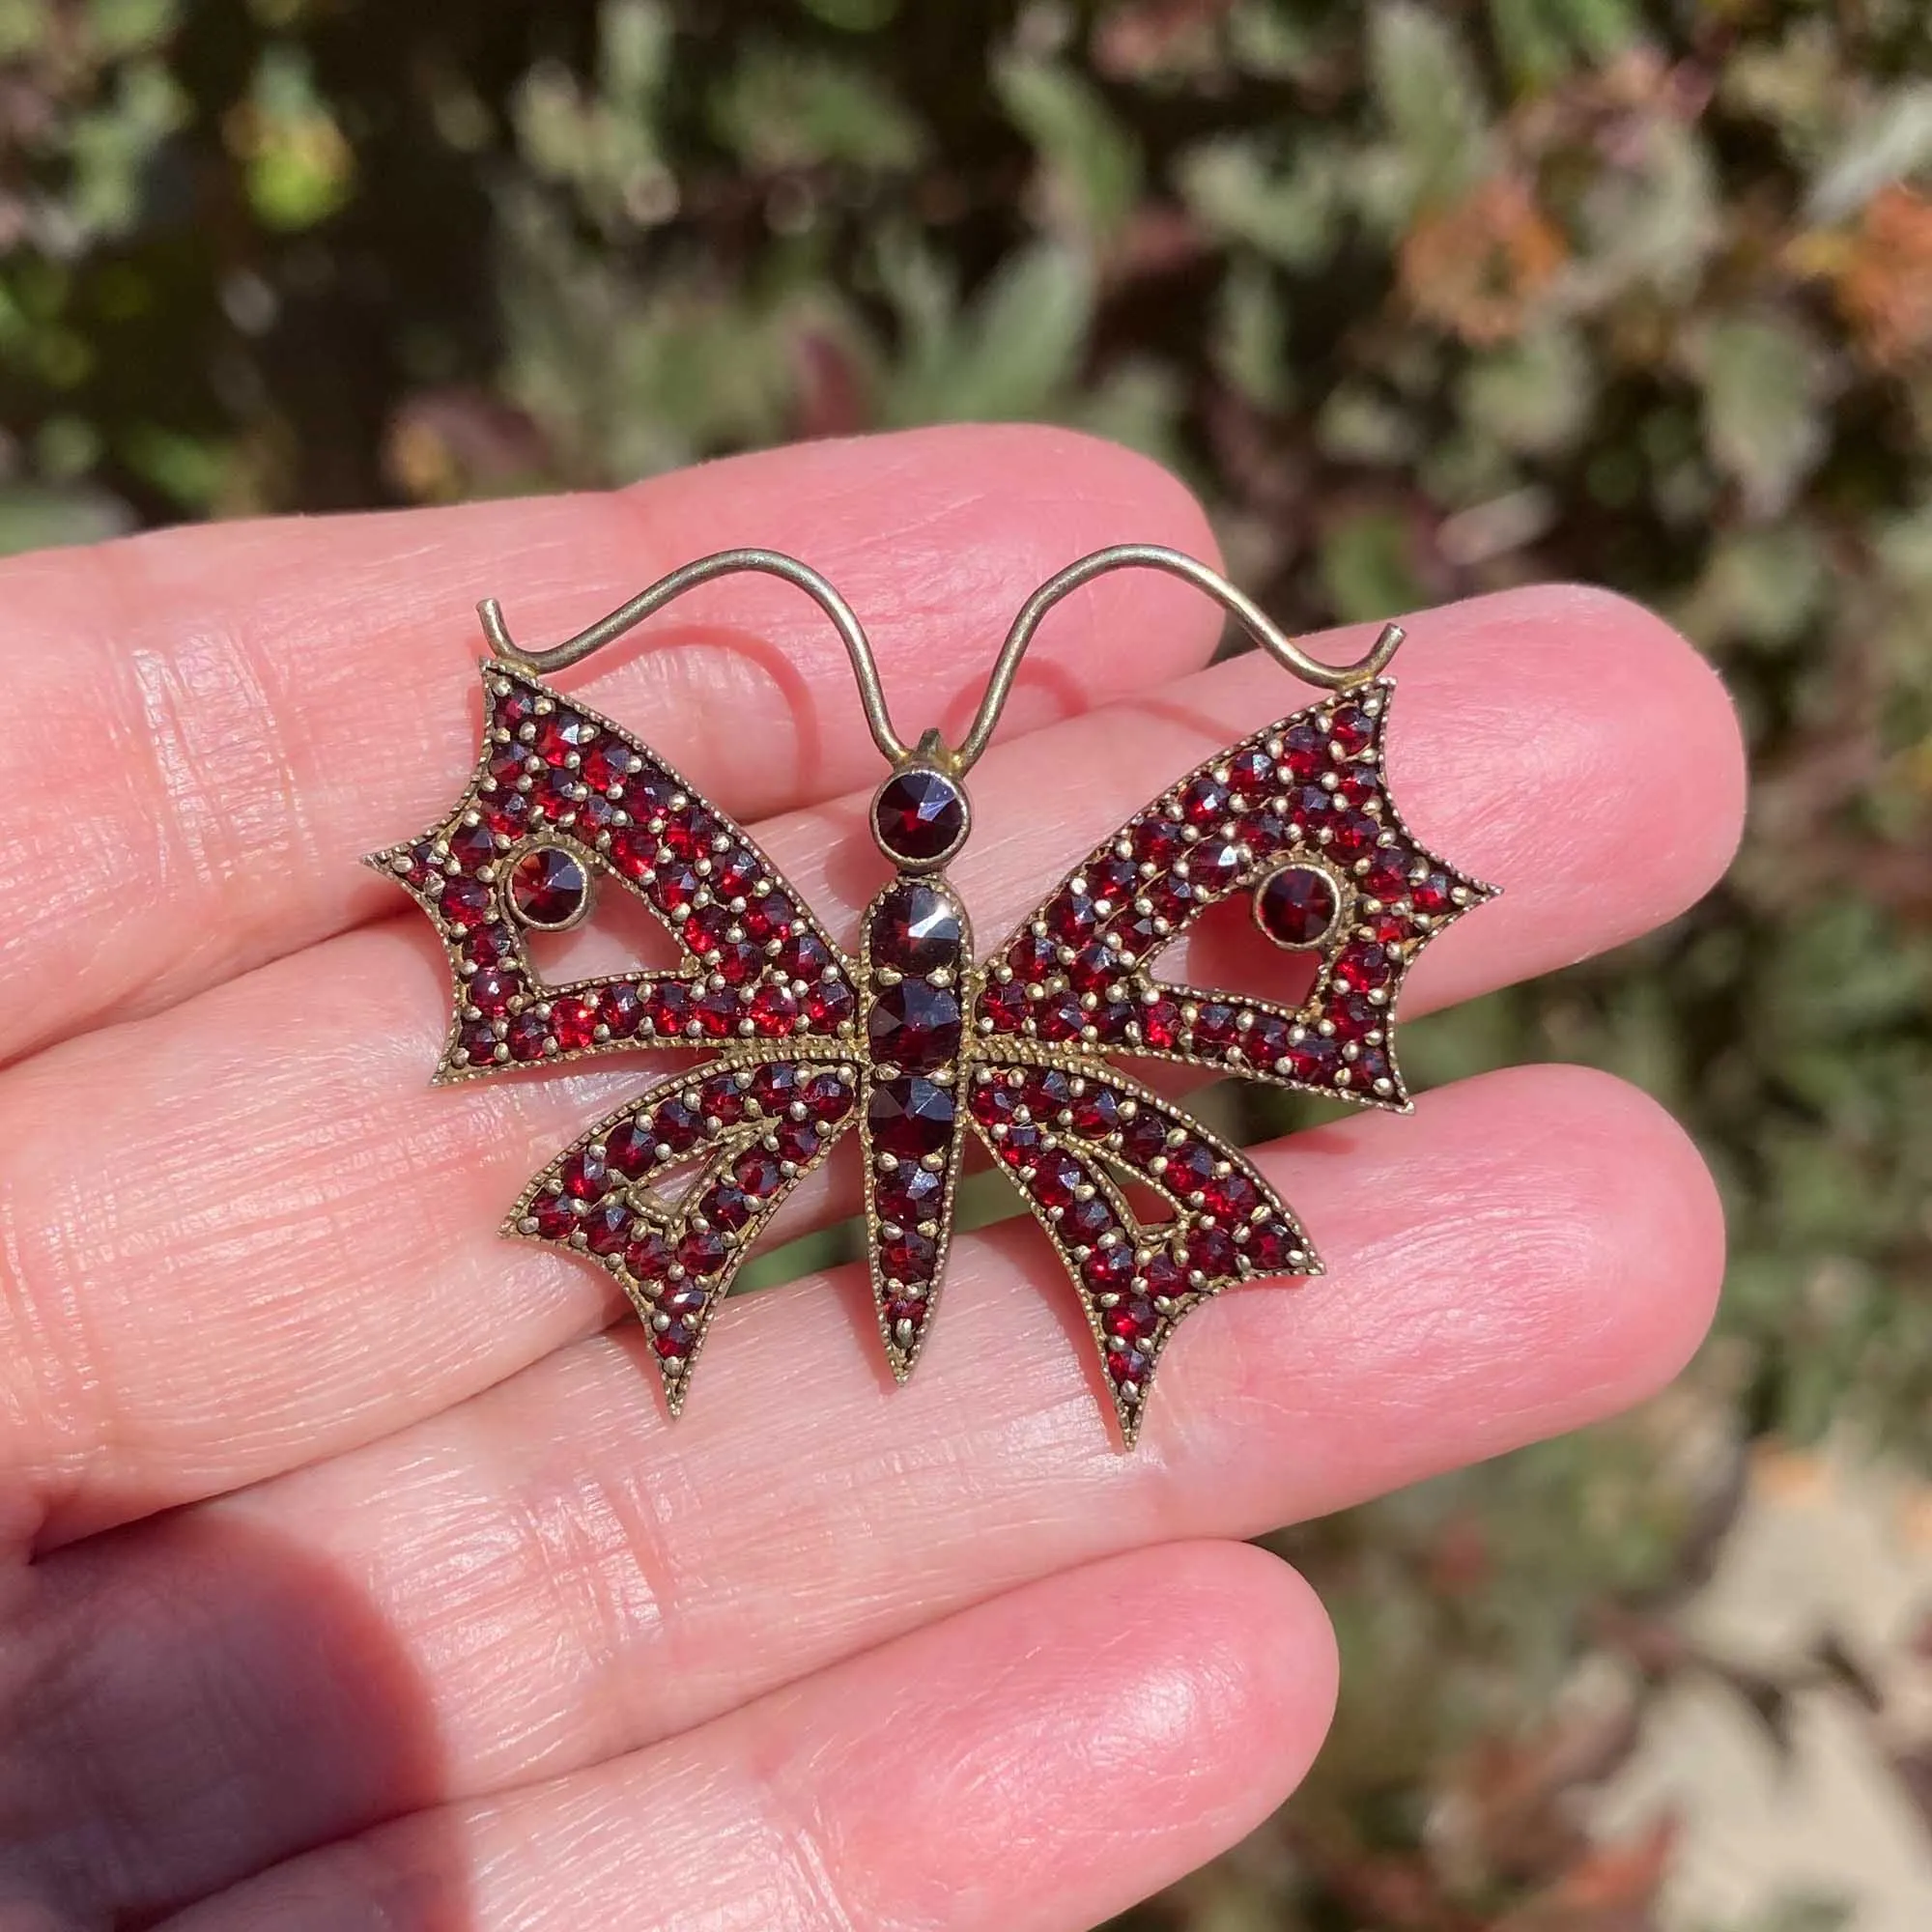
(1072, 1134)
(744, 1136)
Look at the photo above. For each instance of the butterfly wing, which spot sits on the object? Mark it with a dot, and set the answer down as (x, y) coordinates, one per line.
(1308, 792)
(1069, 1132)
(745, 1132)
(757, 972)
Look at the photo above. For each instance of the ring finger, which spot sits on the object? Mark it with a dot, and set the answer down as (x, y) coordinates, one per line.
(1013, 1769)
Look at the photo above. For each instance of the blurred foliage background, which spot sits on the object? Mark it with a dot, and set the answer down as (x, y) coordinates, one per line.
(1424, 299)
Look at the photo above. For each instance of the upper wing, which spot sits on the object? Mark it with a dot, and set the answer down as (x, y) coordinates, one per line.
(1306, 792)
(756, 966)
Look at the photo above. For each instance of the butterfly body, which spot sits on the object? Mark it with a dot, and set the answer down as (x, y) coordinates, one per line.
(908, 1042)
(915, 990)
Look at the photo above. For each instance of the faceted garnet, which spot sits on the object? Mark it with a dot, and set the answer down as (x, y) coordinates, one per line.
(918, 816)
(549, 888)
(910, 1117)
(914, 1026)
(916, 930)
(1296, 906)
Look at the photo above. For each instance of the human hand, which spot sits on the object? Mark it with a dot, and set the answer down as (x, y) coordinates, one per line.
(354, 1576)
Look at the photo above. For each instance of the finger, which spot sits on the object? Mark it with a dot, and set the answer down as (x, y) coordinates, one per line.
(558, 1574)
(1032, 1765)
(299, 1249)
(212, 724)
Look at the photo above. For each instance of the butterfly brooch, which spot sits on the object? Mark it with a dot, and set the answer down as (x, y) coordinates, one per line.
(914, 1041)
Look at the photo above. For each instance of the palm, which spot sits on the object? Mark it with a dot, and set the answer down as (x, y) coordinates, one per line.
(358, 1576)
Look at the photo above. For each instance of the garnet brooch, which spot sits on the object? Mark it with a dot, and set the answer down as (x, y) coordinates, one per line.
(914, 1041)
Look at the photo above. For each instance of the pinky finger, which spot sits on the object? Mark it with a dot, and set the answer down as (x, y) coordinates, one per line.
(1034, 1764)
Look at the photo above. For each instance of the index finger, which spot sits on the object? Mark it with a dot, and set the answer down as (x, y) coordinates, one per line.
(212, 724)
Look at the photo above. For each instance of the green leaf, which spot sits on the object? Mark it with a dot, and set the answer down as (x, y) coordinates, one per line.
(783, 107)
(1359, 423)
(1366, 567)
(35, 516)
(922, 289)
(1654, 220)
(1534, 397)
(1883, 144)
(1426, 88)
(1763, 587)
(123, 27)
(1250, 346)
(1541, 41)
(190, 469)
(1764, 387)
(1013, 353)
(113, 148)
(1138, 403)
(25, 26)
(300, 167)
(1267, 40)
(1289, 213)
(634, 44)
(1795, 84)
(1092, 162)
(66, 449)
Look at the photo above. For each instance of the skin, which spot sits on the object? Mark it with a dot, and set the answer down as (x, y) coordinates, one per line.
(353, 1575)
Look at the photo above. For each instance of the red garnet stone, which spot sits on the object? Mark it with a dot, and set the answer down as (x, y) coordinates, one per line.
(914, 1026)
(549, 888)
(918, 930)
(918, 816)
(1296, 906)
(909, 1117)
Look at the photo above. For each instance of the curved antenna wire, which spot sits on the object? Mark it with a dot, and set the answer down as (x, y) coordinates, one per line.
(1176, 563)
(721, 563)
